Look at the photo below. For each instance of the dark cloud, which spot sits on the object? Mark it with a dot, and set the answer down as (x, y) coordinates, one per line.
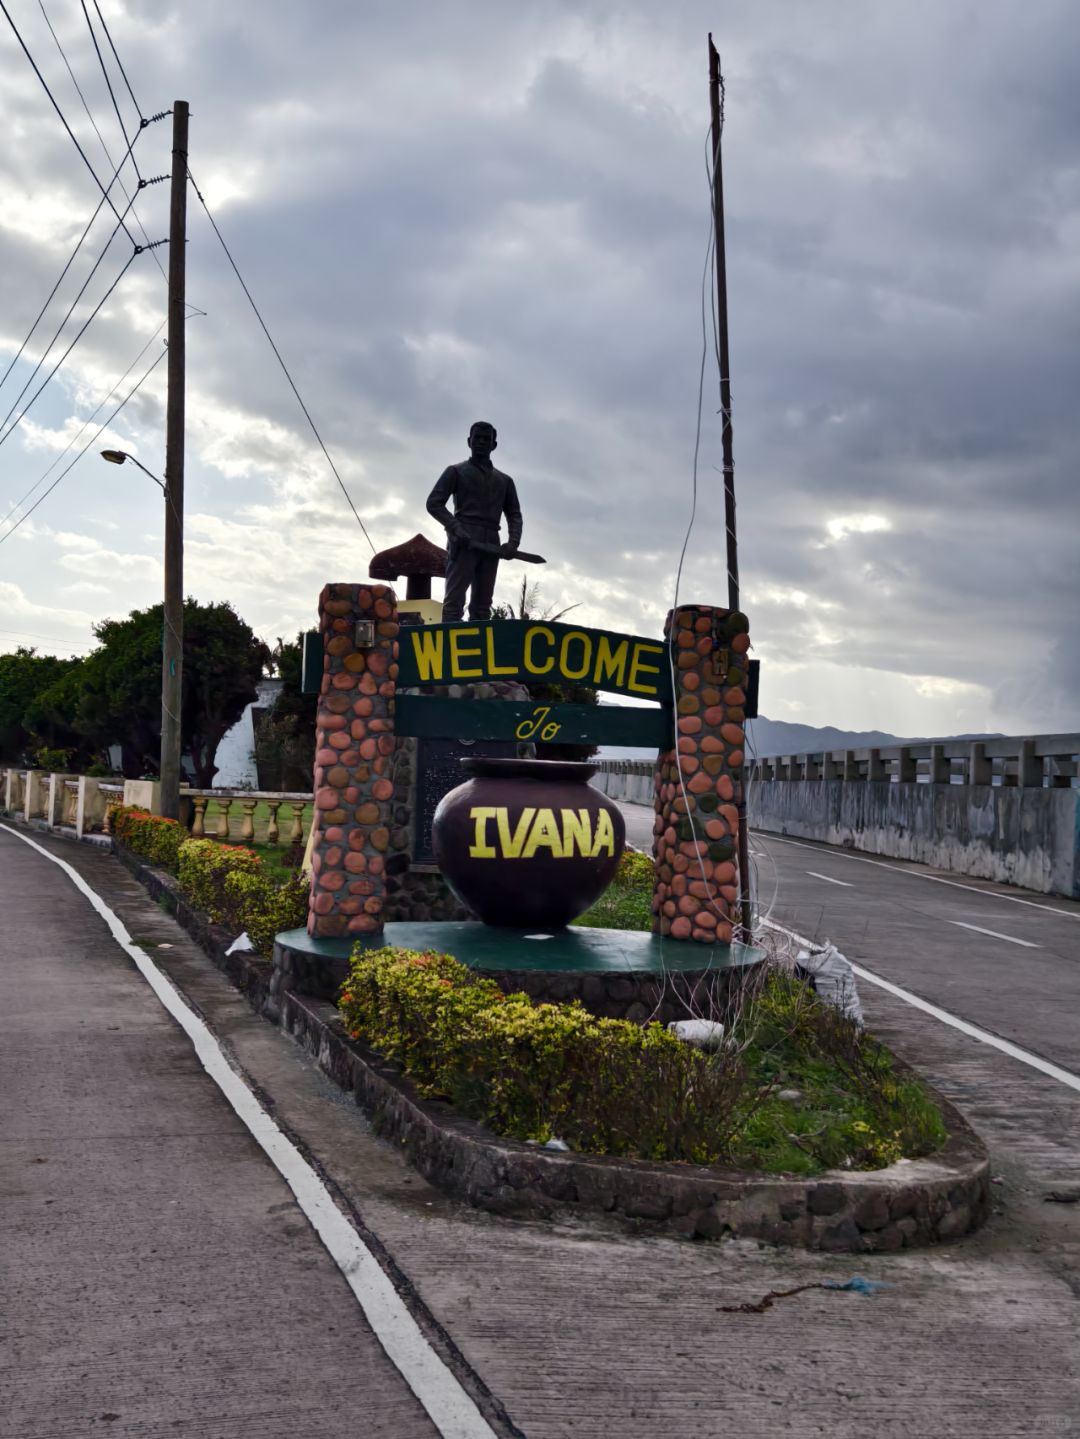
(449, 211)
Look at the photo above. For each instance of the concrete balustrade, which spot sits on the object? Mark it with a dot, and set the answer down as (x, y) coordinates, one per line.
(82, 804)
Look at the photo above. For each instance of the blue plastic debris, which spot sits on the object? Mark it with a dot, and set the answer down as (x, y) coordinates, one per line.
(857, 1285)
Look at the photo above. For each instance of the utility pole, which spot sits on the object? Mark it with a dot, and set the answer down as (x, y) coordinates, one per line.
(747, 918)
(172, 647)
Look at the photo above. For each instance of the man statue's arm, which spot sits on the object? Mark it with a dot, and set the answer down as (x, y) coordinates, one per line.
(514, 522)
(438, 502)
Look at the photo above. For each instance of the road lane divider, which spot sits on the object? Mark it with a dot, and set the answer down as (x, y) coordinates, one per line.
(993, 933)
(829, 879)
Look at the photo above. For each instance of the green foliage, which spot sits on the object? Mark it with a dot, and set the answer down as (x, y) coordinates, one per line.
(205, 865)
(285, 738)
(263, 907)
(853, 1109)
(627, 901)
(24, 677)
(605, 1086)
(54, 761)
(151, 837)
(232, 886)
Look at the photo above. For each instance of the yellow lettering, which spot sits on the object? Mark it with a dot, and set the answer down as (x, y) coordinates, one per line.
(610, 663)
(550, 731)
(638, 667)
(605, 835)
(511, 844)
(480, 849)
(458, 654)
(527, 728)
(586, 655)
(492, 668)
(428, 652)
(530, 663)
(545, 832)
(577, 830)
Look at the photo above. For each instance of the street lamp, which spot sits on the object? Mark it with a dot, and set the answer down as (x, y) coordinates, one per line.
(117, 457)
(172, 643)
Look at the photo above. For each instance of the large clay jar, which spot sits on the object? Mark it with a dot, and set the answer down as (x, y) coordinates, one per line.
(527, 843)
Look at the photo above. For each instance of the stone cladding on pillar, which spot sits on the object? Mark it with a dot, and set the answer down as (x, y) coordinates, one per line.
(354, 794)
(699, 784)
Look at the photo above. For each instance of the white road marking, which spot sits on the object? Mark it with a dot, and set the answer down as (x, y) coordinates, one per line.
(937, 879)
(995, 935)
(1063, 1076)
(449, 1407)
(828, 880)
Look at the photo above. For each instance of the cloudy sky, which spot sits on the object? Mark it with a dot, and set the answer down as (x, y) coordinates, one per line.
(456, 210)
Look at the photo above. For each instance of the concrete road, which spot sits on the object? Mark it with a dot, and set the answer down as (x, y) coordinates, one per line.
(563, 1330)
(157, 1276)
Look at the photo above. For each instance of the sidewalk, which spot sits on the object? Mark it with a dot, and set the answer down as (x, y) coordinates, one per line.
(158, 1277)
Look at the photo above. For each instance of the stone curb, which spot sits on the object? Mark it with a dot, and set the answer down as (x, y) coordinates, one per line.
(912, 1203)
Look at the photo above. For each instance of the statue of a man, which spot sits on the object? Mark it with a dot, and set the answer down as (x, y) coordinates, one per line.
(482, 495)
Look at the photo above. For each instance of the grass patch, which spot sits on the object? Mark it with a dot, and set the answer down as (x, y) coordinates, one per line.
(627, 901)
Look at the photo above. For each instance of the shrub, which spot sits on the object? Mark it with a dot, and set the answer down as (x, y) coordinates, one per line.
(150, 836)
(55, 761)
(262, 907)
(205, 865)
(533, 1071)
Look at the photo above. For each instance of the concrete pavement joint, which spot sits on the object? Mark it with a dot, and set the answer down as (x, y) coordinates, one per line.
(1063, 1076)
(450, 1407)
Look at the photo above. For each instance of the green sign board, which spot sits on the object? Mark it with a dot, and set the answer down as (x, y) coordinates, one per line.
(432, 717)
(534, 652)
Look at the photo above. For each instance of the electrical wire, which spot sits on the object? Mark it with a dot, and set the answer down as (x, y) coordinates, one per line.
(108, 82)
(281, 362)
(85, 425)
(82, 331)
(99, 431)
(63, 119)
(120, 65)
(101, 140)
(71, 260)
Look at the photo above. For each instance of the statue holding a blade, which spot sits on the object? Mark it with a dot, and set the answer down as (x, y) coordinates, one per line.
(482, 495)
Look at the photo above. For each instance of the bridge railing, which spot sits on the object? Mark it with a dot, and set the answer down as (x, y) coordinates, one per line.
(1029, 762)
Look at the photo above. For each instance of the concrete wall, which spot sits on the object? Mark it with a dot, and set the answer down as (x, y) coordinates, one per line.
(627, 786)
(1023, 836)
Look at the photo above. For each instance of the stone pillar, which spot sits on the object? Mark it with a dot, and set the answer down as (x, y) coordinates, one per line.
(699, 784)
(354, 741)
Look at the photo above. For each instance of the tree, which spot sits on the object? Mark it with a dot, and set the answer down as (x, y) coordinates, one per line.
(25, 676)
(119, 699)
(285, 738)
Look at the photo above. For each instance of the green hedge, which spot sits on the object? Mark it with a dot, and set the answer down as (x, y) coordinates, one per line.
(228, 883)
(605, 1086)
(148, 835)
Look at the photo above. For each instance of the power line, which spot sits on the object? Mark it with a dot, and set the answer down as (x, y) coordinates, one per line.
(278, 357)
(119, 62)
(86, 423)
(52, 292)
(59, 332)
(101, 139)
(63, 118)
(51, 639)
(99, 431)
(108, 82)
